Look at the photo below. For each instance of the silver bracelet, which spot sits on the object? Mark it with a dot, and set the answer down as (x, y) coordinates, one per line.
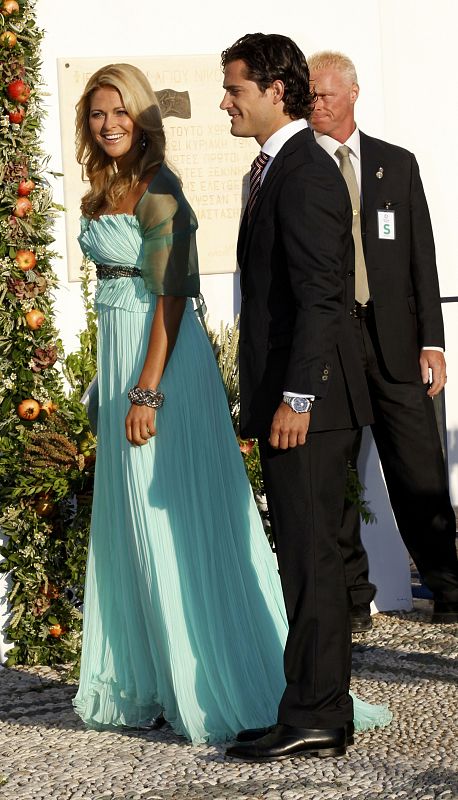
(145, 397)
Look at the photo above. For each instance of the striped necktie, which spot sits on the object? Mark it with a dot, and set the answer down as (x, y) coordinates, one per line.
(255, 179)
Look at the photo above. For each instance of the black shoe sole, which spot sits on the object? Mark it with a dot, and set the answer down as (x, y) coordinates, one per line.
(327, 752)
(350, 738)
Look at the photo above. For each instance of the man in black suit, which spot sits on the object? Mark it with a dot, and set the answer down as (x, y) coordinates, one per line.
(296, 341)
(401, 339)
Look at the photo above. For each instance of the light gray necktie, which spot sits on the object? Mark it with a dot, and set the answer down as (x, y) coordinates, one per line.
(362, 293)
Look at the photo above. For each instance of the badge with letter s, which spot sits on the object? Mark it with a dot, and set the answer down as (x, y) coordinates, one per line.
(386, 224)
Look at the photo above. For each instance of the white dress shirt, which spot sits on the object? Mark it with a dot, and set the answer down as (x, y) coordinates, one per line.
(330, 145)
(274, 143)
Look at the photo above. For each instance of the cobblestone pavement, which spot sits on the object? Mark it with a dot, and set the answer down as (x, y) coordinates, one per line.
(405, 661)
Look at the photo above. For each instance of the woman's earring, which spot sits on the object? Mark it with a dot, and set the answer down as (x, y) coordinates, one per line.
(143, 140)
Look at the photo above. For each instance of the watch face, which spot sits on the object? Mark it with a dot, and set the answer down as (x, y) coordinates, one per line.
(300, 404)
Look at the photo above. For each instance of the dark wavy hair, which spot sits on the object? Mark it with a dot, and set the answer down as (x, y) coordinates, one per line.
(269, 57)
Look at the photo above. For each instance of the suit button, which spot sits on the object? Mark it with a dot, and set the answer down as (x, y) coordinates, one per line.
(244, 298)
(325, 372)
(324, 377)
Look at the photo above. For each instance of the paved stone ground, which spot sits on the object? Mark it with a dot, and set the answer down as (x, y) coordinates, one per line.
(46, 753)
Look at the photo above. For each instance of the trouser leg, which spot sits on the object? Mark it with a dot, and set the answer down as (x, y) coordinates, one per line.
(305, 492)
(360, 590)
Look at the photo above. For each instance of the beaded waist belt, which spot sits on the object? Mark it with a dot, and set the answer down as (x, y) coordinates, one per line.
(105, 271)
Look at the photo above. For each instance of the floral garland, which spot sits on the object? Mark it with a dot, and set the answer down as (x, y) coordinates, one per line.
(47, 453)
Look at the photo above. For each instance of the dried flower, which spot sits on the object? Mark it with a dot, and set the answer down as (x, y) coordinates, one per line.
(15, 170)
(25, 290)
(41, 606)
(44, 358)
(50, 449)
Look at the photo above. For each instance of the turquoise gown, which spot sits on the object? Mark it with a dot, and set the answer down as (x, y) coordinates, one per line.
(183, 608)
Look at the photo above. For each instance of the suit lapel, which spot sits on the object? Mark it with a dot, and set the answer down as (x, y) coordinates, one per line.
(370, 166)
(242, 238)
(246, 229)
(269, 181)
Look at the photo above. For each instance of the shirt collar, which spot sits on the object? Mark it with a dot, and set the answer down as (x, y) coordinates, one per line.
(330, 145)
(274, 143)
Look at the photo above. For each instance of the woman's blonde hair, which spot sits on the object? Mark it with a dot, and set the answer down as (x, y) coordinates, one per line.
(108, 184)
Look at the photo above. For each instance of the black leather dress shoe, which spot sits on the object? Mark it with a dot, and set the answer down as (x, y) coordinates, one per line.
(154, 725)
(444, 612)
(158, 723)
(284, 741)
(252, 734)
(361, 619)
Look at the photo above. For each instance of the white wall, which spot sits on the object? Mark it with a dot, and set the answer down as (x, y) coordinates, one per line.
(421, 108)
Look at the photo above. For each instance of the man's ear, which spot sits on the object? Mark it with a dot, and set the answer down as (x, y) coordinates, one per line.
(278, 90)
(354, 93)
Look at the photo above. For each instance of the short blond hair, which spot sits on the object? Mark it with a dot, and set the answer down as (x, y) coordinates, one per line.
(332, 58)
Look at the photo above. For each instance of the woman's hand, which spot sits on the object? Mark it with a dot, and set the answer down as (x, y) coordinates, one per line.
(140, 421)
(140, 424)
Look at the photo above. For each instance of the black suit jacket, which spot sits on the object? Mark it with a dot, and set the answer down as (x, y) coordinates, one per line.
(402, 273)
(295, 258)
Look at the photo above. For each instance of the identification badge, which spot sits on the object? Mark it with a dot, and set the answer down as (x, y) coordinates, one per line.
(386, 224)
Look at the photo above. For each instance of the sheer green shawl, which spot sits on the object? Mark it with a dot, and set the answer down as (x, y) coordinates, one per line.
(168, 226)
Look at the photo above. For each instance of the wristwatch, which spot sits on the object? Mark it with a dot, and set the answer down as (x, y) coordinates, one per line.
(299, 404)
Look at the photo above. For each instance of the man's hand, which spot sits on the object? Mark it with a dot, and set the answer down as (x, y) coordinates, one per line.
(288, 428)
(433, 360)
(140, 424)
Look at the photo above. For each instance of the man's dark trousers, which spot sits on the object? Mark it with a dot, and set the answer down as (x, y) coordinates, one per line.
(305, 489)
(408, 443)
